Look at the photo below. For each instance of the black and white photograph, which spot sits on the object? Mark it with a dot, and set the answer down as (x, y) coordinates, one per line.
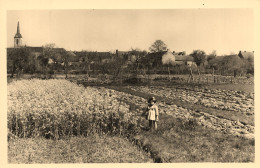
(166, 85)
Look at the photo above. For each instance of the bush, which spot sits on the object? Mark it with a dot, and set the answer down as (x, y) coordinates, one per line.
(133, 80)
(190, 124)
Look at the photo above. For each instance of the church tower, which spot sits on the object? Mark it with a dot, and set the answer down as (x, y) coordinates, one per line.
(18, 38)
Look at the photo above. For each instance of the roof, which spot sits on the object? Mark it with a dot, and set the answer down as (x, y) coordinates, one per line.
(246, 54)
(72, 57)
(71, 53)
(122, 52)
(156, 54)
(94, 56)
(183, 58)
(40, 49)
(18, 35)
(32, 49)
(154, 58)
(91, 53)
(35, 49)
(59, 50)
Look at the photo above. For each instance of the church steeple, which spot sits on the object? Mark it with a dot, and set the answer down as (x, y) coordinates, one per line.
(18, 37)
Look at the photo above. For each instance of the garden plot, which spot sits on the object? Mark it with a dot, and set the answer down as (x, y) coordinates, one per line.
(210, 121)
(219, 99)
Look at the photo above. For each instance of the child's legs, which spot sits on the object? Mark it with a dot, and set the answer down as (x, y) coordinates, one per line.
(151, 124)
(155, 125)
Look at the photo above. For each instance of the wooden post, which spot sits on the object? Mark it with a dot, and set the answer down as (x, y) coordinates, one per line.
(16, 125)
(190, 76)
(169, 72)
(199, 74)
(121, 81)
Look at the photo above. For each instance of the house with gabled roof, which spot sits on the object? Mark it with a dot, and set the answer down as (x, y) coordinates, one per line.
(154, 58)
(246, 54)
(184, 59)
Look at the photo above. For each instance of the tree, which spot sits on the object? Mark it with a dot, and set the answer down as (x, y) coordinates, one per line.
(48, 53)
(135, 58)
(86, 62)
(18, 58)
(199, 58)
(168, 59)
(250, 63)
(66, 58)
(212, 64)
(48, 50)
(158, 46)
(191, 67)
(181, 53)
(232, 64)
(213, 53)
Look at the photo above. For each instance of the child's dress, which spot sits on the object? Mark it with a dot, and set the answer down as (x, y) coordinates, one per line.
(152, 112)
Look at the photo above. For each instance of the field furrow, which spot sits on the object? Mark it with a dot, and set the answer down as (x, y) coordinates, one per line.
(207, 120)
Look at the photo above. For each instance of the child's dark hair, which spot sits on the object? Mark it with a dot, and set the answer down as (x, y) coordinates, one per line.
(152, 99)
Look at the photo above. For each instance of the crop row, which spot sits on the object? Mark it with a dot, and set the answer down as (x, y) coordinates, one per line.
(219, 99)
(202, 118)
(57, 108)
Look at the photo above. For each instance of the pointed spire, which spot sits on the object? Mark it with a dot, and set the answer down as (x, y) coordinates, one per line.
(18, 34)
(18, 28)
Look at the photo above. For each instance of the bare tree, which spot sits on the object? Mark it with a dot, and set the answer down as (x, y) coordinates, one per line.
(157, 46)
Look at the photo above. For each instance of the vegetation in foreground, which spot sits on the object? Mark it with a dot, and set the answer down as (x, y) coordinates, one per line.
(92, 149)
(176, 140)
(185, 141)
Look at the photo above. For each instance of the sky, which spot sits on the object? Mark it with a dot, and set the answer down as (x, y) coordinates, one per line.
(224, 30)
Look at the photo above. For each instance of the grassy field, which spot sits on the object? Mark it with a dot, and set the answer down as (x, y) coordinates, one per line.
(185, 141)
(92, 149)
(176, 140)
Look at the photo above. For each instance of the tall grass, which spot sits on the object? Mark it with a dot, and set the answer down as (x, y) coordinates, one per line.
(57, 108)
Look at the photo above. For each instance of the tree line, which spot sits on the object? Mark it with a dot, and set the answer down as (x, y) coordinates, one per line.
(51, 61)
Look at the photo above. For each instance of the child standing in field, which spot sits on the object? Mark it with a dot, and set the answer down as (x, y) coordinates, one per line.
(152, 113)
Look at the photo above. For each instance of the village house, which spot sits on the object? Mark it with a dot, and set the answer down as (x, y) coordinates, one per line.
(184, 59)
(246, 54)
(180, 59)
